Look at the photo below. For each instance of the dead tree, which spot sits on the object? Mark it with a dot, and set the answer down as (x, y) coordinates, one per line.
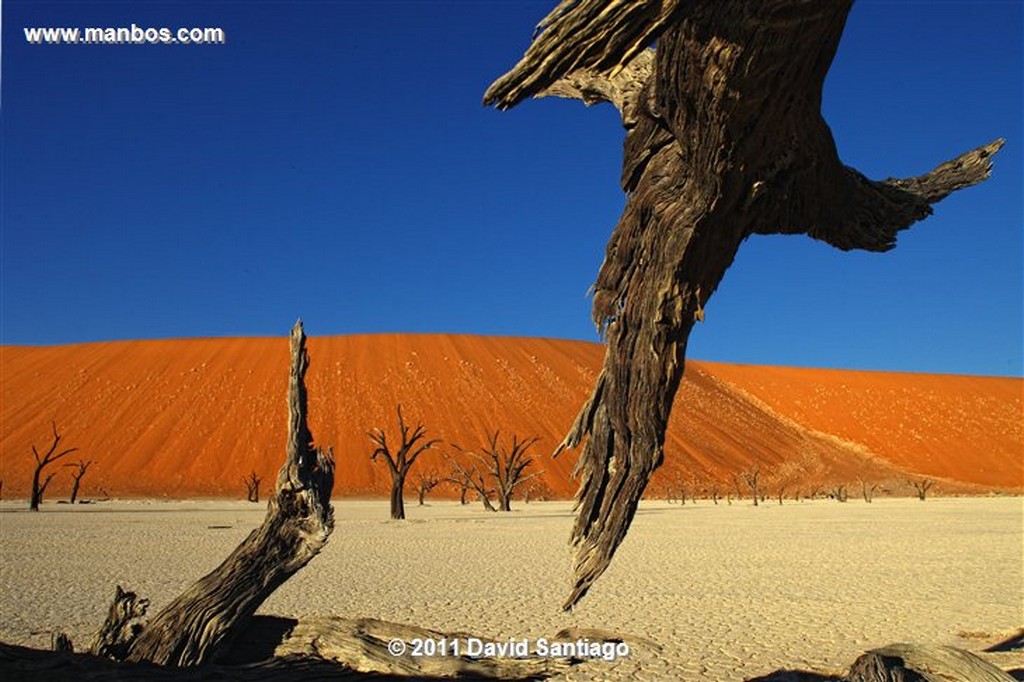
(839, 493)
(401, 459)
(198, 625)
(751, 478)
(461, 482)
(868, 491)
(425, 483)
(713, 491)
(922, 487)
(252, 487)
(506, 465)
(724, 139)
(80, 467)
(39, 488)
(472, 477)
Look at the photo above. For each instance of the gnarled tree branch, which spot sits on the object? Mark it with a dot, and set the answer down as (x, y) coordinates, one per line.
(725, 139)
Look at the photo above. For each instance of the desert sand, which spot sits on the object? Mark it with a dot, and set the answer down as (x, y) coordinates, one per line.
(701, 592)
(190, 418)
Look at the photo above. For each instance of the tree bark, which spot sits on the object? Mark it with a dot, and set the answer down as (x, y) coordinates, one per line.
(397, 497)
(725, 139)
(918, 663)
(198, 625)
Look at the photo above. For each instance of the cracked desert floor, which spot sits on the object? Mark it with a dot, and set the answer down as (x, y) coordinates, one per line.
(701, 592)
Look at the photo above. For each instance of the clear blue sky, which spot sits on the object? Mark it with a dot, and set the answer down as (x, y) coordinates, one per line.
(333, 160)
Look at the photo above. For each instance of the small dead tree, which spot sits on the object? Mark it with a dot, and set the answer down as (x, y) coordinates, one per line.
(39, 488)
(475, 480)
(868, 491)
(425, 483)
(506, 465)
(713, 491)
(80, 467)
(252, 487)
(400, 460)
(461, 482)
(751, 478)
(922, 487)
(839, 493)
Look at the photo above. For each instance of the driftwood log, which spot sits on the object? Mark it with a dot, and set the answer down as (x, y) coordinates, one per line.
(724, 139)
(915, 663)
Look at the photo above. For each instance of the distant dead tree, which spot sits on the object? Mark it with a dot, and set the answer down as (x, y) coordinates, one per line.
(506, 465)
(751, 478)
(839, 492)
(400, 460)
(252, 487)
(713, 491)
(675, 490)
(461, 483)
(712, 155)
(922, 487)
(536, 489)
(39, 488)
(425, 483)
(80, 467)
(470, 476)
(868, 491)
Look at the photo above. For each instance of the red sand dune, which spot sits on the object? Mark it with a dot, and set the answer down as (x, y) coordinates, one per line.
(190, 417)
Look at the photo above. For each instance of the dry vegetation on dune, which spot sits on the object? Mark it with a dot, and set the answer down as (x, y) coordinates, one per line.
(192, 417)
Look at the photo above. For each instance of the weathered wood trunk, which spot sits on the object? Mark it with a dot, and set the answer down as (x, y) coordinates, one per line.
(725, 139)
(397, 496)
(198, 625)
(916, 663)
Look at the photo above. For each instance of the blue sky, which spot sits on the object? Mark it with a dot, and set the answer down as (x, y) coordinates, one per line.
(333, 160)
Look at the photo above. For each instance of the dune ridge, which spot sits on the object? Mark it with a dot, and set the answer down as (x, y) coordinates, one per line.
(189, 418)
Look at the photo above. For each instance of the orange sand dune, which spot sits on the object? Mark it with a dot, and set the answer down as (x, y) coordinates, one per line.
(190, 417)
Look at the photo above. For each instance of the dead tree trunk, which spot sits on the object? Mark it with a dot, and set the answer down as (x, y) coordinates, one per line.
(400, 461)
(252, 487)
(724, 139)
(39, 488)
(80, 467)
(923, 663)
(461, 482)
(751, 479)
(198, 625)
(868, 491)
(922, 487)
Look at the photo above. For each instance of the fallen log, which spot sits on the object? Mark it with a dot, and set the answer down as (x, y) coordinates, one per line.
(918, 663)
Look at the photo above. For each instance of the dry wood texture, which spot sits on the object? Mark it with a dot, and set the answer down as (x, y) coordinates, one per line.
(199, 624)
(917, 663)
(725, 139)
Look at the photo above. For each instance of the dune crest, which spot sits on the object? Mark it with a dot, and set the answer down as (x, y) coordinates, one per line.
(190, 418)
